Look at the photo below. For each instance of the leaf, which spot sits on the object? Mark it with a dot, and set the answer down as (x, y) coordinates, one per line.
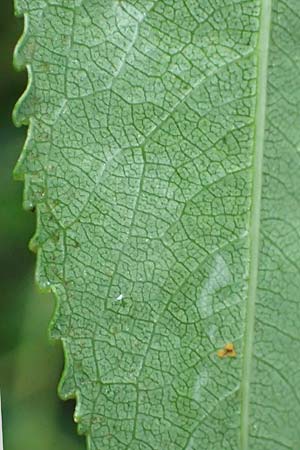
(163, 160)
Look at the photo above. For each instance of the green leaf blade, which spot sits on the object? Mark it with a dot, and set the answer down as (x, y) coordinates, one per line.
(150, 157)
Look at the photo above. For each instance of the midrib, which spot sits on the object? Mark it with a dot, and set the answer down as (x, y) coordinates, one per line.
(260, 113)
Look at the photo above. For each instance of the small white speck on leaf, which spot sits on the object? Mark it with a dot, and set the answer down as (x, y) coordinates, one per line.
(120, 297)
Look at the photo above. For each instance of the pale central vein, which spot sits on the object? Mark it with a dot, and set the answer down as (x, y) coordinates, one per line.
(260, 115)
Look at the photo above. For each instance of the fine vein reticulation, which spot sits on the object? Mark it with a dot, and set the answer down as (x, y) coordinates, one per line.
(163, 160)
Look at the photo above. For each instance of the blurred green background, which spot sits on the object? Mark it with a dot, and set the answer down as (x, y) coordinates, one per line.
(30, 366)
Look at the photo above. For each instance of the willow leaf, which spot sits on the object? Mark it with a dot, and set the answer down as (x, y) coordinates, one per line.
(163, 161)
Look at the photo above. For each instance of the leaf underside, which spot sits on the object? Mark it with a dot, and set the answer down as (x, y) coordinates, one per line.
(163, 160)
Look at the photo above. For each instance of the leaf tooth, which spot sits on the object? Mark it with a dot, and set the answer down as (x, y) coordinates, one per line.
(34, 243)
(23, 110)
(83, 421)
(25, 47)
(67, 389)
(40, 277)
(66, 386)
(23, 54)
(29, 202)
(82, 427)
(19, 7)
(20, 169)
(33, 193)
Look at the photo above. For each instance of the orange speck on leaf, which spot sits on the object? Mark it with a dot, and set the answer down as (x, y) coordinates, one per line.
(227, 350)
